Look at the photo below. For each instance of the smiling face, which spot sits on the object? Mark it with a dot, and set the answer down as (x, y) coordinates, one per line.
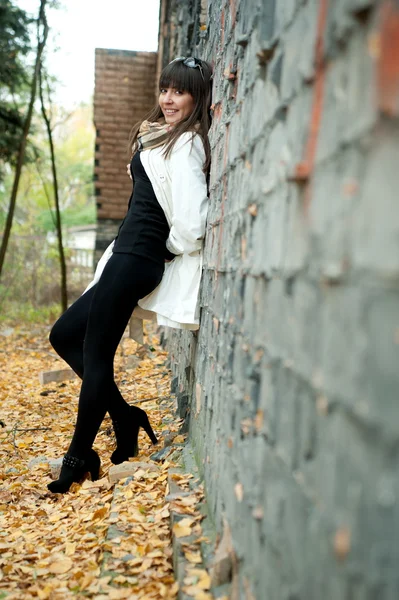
(175, 104)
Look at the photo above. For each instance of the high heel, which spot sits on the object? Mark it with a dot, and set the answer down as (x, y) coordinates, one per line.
(145, 424)
(126, 433)
(73, 470)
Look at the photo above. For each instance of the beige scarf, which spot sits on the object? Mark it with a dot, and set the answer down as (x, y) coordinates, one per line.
(152, 135)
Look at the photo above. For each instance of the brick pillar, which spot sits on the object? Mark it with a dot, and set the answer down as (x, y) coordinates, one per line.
(125, 90)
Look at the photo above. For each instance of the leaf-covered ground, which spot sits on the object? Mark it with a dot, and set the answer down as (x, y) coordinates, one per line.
(62, 546)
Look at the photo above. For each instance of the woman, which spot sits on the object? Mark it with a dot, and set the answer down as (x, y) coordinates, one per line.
(154, 262)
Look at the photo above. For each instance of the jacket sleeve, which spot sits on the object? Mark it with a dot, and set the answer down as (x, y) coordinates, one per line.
(189, 195)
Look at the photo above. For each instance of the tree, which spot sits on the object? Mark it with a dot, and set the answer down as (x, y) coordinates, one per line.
(42, 33)
(14, 46)
(58, 224)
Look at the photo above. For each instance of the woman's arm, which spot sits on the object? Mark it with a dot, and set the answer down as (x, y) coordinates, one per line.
(189, 195)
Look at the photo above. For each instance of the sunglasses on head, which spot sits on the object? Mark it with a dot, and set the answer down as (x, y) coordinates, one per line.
(191, 62)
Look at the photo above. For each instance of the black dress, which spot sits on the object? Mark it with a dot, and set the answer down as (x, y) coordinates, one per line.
(144, 230)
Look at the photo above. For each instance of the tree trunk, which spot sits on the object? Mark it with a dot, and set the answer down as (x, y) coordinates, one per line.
(41, 42)
(64, 293)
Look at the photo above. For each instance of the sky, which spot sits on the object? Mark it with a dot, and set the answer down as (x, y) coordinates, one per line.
(80, 26)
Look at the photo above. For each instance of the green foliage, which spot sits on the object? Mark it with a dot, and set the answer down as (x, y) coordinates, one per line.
(85, 215)
(31, 270)
(14, 43)
(18, 313)
(74, 146)
(14, 74)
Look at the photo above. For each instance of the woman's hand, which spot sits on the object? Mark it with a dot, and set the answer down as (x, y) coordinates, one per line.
(129, 171)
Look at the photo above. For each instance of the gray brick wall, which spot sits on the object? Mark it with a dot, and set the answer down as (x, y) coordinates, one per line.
(292, 383)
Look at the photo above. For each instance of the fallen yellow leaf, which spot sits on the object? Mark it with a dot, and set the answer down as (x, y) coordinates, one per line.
(193, 557)
(57, 516)
(60, 566)
(181, 530)
(120, 594)
(70, 548)
(44, 593)
(100, 513)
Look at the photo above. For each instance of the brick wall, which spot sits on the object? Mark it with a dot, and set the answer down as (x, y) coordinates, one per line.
(292, 383)
(125, 90)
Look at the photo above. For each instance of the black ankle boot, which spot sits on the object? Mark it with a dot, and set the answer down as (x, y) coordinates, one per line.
(73, 470)
(126, 433)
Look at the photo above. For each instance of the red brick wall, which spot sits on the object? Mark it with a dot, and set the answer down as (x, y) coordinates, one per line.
(125, 90)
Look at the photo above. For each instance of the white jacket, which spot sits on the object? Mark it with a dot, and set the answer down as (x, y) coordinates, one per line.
(180, 187)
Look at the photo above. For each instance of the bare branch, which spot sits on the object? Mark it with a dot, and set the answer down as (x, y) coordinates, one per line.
(58, 224)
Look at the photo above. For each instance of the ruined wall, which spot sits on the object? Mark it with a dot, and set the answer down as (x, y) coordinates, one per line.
(292, 383)
(125, 90)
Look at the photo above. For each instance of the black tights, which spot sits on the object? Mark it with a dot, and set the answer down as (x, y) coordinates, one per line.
(87, 335)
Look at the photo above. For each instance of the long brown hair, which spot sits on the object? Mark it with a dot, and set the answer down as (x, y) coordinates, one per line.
(188, 79)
